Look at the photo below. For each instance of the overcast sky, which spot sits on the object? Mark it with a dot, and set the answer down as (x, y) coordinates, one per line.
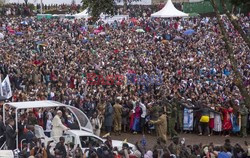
(45, 1)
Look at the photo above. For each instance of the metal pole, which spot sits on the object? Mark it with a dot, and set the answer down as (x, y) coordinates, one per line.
(16, 129)
(2, 147)
(22, 144)
(4, 114)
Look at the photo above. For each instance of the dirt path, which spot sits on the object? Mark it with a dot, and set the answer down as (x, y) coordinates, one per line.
(191, 139)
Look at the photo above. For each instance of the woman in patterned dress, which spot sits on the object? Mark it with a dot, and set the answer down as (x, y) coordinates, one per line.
(217, 120)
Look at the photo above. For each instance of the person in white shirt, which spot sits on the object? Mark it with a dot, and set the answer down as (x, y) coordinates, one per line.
(50, 114)
(96, 124)
(143, 115)
(48, 126)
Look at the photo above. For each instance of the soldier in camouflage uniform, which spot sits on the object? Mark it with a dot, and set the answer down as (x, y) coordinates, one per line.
(154, 112)
(244, 116)
(117, 117)
(165, 105)
(175, 146)
(172, 117)
(179, 117)
(161, 126)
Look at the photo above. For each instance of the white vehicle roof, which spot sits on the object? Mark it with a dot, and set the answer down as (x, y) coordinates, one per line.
(80, 116)
(6, 154)
(81, 133)
(34, 104)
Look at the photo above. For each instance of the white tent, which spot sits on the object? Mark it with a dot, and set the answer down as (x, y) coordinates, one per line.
(169, 11)
(83, 14)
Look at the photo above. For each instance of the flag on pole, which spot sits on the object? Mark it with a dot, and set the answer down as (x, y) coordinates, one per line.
(6, 88)
(125, 141)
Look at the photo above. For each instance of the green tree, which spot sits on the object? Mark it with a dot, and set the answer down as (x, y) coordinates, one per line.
(125, 4)
(1, 2)
(238, 2)
(234, 21)
(26, 2)
(31, 6)
(97, 7)
(237, 76)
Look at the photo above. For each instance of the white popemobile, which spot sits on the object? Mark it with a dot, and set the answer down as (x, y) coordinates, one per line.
(82, 136)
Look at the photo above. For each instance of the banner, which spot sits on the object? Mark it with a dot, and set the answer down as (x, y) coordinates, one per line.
(6, 88)
(194, 1)
(188, 119)
(109, 19)
(134, 2)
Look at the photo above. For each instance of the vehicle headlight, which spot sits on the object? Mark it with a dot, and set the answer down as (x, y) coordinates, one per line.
(16, 152)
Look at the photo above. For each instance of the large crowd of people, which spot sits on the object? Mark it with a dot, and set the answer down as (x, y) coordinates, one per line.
(171, 79)
(176, 149)
(34, 147)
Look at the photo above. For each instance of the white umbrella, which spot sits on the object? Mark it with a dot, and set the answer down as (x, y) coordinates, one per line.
(178, 39)
(139, 30)
(102, 33)
(1, 36)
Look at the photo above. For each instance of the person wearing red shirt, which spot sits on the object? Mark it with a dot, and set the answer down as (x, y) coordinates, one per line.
(227, 124)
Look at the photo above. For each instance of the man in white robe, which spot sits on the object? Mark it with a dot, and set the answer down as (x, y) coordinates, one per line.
(58, 127)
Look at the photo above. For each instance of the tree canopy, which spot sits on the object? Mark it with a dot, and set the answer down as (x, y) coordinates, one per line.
(26, 2)
(96, 7)
(1, 2)
(239, 2)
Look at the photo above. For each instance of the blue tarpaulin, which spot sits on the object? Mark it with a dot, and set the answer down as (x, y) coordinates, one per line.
(189, 32)
(19, 33)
